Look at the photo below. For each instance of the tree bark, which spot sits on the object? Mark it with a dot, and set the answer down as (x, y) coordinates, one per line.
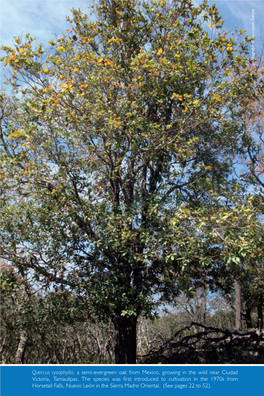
(21, 349)
(126, 345)
(238, 305)
(204, 304)
(260, 312)
(247, 317)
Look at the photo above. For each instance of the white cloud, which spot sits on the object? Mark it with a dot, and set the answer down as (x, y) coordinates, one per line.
(42, 19)
(45, 18)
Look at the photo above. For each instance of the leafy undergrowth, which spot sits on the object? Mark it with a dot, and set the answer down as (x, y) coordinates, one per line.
(209, 345)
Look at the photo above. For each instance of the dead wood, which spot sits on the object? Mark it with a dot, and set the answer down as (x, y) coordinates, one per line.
(209, 345)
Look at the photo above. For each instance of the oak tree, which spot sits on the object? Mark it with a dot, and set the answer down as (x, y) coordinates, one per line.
(106, 136)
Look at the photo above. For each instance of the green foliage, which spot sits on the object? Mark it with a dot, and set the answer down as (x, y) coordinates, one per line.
(54, 326)
(107, 136)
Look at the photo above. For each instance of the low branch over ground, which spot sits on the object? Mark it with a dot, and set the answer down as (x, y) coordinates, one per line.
(209, 345)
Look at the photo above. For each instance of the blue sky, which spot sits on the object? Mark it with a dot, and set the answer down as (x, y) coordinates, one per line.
(45, 18)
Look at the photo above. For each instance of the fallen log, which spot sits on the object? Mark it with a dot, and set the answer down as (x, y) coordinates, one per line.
(208, 339)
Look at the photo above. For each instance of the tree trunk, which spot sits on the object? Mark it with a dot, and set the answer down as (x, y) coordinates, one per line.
(21, 349)
(247, 317)
(126, 345)
(204, 304)
(238, 305)
(260, 312)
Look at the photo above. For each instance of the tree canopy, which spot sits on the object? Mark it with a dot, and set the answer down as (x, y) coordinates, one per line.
(117, 150)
